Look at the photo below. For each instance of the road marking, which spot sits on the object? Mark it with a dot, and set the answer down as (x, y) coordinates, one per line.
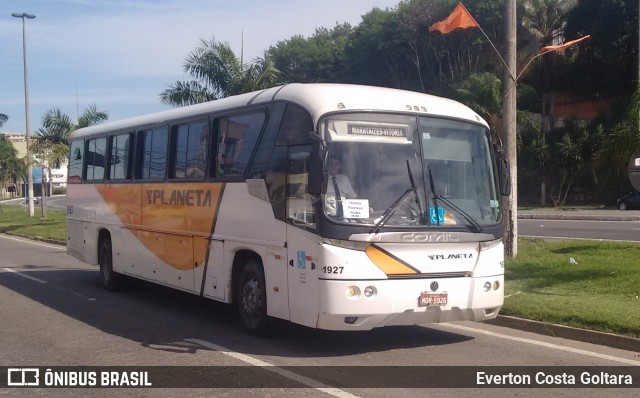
(336, 392)
(543, 344)
(33, 278)
(25, 275)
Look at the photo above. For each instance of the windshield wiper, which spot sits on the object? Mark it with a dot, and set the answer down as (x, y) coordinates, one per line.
(392, 209)
(422, 220)
(465, 215)
(435, 196)
(461, 212)
(389, 212)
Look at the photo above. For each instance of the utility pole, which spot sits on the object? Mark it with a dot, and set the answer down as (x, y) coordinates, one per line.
(26, 109)
(510, 208)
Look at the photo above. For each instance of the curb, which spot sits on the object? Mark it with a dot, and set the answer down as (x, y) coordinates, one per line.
(568, 332)
(37, 238)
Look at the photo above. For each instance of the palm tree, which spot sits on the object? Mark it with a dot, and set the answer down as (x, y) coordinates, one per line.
(546, 18)
(51, 141)
(482, 93)
(218, 73)
(3, 119)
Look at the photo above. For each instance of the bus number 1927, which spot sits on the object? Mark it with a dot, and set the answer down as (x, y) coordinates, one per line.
(332, 270)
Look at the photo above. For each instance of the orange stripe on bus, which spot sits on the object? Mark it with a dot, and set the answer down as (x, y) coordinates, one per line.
(388, 264)
(171, 220)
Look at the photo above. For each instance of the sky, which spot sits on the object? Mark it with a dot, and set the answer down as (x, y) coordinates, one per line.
(120, 54)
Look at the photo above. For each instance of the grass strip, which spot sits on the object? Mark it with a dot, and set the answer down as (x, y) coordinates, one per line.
(16, 220)
(587, 284)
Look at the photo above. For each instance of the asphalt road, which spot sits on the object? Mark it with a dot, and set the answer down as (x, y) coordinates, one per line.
(580, 229)
(53, 312)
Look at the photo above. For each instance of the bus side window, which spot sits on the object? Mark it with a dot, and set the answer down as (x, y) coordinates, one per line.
(295, 127)
(75, 161)
(152, 154)
(120, 157)
(95, 164)
(300, 210)
(238, 136)
(189, 146)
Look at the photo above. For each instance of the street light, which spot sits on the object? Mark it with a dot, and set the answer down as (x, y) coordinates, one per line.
(26, 108)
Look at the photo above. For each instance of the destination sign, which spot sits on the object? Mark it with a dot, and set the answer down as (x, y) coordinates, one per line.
(379, 131)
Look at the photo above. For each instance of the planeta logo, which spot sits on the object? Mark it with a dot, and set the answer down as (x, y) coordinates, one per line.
(450, 256)
(179, 197)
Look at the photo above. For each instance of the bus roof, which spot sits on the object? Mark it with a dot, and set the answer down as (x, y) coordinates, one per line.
(317, 98)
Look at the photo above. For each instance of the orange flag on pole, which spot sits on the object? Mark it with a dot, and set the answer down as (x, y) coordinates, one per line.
(562, 47)
(459, 18)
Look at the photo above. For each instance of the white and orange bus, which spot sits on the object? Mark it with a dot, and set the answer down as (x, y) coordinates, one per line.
(234, 200)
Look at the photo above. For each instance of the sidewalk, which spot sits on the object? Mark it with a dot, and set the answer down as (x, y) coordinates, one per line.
(565, 213)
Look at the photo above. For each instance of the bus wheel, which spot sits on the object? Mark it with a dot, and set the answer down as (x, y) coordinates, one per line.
(110, 279)
(252, 299)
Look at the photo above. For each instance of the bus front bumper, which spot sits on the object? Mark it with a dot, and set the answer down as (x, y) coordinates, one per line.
(343, 304)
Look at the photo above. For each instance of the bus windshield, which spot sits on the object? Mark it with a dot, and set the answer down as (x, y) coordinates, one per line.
(402, 170)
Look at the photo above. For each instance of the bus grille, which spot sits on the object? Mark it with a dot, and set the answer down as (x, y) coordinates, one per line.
(432, 275)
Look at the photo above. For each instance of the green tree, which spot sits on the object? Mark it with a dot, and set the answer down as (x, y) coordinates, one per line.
(11, 168)
(376, 53)
(608, 61)
(3, 119)
(618, 144)
(218, 73)
(319, 58)
(545, 20)
(51, 141)
(482, 92)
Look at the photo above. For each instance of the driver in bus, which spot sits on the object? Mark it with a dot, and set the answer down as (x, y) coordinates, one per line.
(338, 188)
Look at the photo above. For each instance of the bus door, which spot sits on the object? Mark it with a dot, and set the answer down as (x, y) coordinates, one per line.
(303, 242)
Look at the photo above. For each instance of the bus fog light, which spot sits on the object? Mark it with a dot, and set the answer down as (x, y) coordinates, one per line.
(487, 286)
(369, 291)
(350, 319)
(496, 285)
(352, 291)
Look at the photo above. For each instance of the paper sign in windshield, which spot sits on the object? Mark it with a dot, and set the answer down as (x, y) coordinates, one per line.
(355, 208)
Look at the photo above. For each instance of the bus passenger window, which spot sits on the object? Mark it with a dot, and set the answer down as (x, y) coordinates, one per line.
(96, 159)
(75, 161)
(119, 161)
(152, 153)
(238, 138)
(190, 150)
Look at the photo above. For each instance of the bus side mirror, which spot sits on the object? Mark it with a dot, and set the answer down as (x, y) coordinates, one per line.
(314, 186)
(504, 171)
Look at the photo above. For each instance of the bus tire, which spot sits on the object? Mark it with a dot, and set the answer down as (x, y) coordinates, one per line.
(111, 280)
(252, 299)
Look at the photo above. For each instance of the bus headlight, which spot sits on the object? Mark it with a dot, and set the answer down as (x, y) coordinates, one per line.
(496, 285)
(369, 291)
(352, 291)
(489, 244)
(487, 286)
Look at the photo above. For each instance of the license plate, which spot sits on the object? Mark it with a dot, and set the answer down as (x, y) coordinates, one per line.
(426, 299)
